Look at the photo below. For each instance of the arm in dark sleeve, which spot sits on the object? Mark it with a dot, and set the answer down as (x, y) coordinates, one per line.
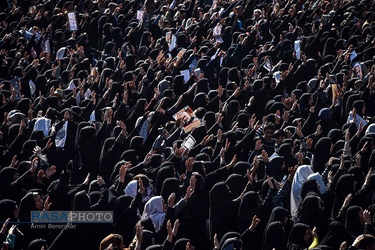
(173, 137)
(369, 229)
(162, 233)
(136, 202)
(103, 199)
(248, 238)
(167, 245)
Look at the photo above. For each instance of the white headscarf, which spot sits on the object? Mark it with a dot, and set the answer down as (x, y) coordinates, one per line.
(143, 131)
(132, 188)
(154, 209)
(300, 177)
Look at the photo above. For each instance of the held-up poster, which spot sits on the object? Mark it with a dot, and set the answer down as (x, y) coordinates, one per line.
(188, 118)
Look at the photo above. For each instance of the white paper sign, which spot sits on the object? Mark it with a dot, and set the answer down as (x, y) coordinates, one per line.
(267, 66)
(186, 74)
(72, 21)
(43, 124)
(217, 31)
(358, 70)
(193, 65)
(297, 48)
(276, 76)
(188, 142)
(140, 14)
(61, 136)
(71, 85)
(172, 45)
(46, 47)
(353, 55)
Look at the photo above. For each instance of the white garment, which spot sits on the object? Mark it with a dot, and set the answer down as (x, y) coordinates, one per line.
(300, 177)
(154, 209)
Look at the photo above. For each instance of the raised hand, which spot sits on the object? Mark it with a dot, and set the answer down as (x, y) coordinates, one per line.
(189, 193)
(50, 171)
(47, 204)
(100, 181)
(254, 223)
(231, 164)
(34, 165)
(258, 145)
(171, 199)
(207, 139)
(14, 162)
(141, 188)
(189, 163)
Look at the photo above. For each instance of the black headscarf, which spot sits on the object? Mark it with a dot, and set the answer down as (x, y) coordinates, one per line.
(134, 113)
(37, 244)
(357, 172)
(278, 214)
(81, 201)
(170, 185)
(89, 150)
(304, 105)
(241, 167)
(352, 221)
(248, 205)
(344, 186)
(181, 244)
(27, 150)
(276, 167)
(199, 101)
(322, 148)
(125, 217)
(274, 236)
(236, 184)
(163, 174)
(336, 234)
(296, 239)
(103, 76)
(130, 155)
(223, 211)
(10, 189)
(309, 185)
(7, 208)
(136, 143)
(312, 213)
(285, 150)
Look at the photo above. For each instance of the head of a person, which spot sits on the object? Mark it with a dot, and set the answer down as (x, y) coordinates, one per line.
(279, 136)
(269, 131)
(115, 240)
(365, 241)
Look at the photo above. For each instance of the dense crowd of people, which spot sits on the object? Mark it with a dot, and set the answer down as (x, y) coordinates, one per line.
(206, 124)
